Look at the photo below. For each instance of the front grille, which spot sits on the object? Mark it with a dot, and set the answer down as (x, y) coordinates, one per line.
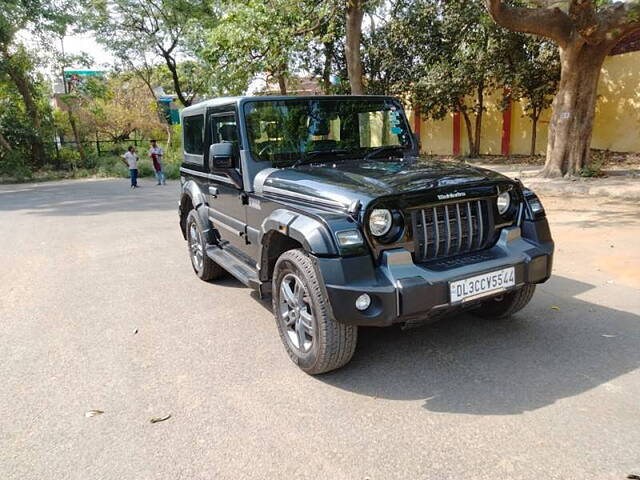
(451, 229)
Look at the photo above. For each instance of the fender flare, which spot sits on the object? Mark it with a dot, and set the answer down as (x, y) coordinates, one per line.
(314, 236)
(192, 190)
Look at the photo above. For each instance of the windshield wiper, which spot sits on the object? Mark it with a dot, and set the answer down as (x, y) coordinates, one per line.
(381, 149)
(308, 157)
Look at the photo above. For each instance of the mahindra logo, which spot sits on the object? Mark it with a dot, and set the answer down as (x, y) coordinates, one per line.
(447, 196)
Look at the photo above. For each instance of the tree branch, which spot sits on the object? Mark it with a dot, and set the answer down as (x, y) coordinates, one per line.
(617, 21)
(5, 143)
(585, 21)
(547, 22)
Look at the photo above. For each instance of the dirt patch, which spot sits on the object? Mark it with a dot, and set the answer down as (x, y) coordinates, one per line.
(603, 159)
(603, 230)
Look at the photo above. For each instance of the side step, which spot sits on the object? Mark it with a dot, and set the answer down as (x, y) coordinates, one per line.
(234, 266)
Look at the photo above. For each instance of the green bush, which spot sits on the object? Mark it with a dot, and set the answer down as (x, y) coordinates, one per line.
(69, 158)
(12, 165)
(111, 166)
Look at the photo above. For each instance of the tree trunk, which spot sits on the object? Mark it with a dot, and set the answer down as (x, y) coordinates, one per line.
(177, 86)
(326, 69)
(574, 108)
(467, 122)
(4, 143)
(478, 132)
(282, 84)
(355, 13)
(76, 136)
(168, 146)
(534, 130)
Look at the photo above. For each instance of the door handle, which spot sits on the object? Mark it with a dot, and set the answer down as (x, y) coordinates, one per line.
(213, 191)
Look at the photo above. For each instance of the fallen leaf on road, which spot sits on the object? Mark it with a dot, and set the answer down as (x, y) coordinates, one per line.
(555, 307)
(93, 413)
(160, 419)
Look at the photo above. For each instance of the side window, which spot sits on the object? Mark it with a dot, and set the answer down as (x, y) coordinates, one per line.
(225, 130)
(193, 128)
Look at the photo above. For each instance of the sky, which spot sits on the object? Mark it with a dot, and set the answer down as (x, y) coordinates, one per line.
(75, 44)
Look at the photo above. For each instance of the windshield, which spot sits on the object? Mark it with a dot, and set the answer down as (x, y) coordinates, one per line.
(288, 132)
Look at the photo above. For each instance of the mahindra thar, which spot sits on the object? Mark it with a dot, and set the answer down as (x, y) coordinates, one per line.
(324, 203)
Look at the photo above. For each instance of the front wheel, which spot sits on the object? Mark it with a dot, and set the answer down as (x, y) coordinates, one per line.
(205, 268)
(506, 305)
(311, 336)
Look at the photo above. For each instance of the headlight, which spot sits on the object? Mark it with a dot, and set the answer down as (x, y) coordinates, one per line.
(504, 202)
(380, 222)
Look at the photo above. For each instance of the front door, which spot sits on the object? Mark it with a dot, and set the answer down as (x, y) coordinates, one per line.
(227, 209)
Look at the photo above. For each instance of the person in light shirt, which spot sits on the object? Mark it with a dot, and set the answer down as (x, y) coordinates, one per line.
(131, 161)
(156, 155)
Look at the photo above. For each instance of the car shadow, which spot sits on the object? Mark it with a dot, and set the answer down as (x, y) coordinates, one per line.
(89, 197)
(559, 346)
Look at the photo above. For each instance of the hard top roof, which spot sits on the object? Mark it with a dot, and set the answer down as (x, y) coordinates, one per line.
(220, 101)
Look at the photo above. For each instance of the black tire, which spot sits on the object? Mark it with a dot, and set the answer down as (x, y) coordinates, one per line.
(331, 344)
(205, 268)
(506, 305)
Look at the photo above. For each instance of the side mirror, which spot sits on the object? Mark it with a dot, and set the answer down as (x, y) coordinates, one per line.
(221, 156)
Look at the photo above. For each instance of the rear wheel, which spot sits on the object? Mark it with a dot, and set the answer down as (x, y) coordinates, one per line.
(506, 305)
(205, 268)
(313, 339)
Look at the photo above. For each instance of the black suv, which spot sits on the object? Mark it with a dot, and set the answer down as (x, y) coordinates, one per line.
(324, 203)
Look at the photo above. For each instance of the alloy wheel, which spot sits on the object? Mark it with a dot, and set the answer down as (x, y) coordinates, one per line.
(295, 312)
(195, 246)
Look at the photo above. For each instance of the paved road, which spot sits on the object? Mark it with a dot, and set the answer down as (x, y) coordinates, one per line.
(83, 264)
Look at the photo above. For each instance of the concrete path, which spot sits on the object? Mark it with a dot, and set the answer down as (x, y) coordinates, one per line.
(84, 265)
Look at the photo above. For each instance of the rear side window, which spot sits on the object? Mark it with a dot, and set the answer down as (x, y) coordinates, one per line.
(193, 128)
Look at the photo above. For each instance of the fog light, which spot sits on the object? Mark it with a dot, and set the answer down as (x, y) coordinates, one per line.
(536, 206)
(349, 238)
(363, 302)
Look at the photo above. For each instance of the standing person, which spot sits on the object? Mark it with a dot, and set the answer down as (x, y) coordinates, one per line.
(131, 161)
(156, 154)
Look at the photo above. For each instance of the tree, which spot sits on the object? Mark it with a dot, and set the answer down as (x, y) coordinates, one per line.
(169, 29)
(535, 76)
(254, 37)
(464, 63)
(16, 65)
(394, 54)
(40, 18)
(120, 107)
(585, 31)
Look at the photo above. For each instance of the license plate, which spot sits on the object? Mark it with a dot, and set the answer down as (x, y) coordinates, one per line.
(481, 285)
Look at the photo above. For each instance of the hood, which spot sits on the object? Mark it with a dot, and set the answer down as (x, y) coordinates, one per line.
(344, 182)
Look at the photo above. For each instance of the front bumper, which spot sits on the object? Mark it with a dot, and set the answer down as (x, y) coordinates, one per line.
(403, 292)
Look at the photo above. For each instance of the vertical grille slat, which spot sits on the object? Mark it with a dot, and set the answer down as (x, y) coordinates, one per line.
(451, 229)
(447, 231)
(480, 223)
(436, 229)
(470, 227)
(459, 224)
